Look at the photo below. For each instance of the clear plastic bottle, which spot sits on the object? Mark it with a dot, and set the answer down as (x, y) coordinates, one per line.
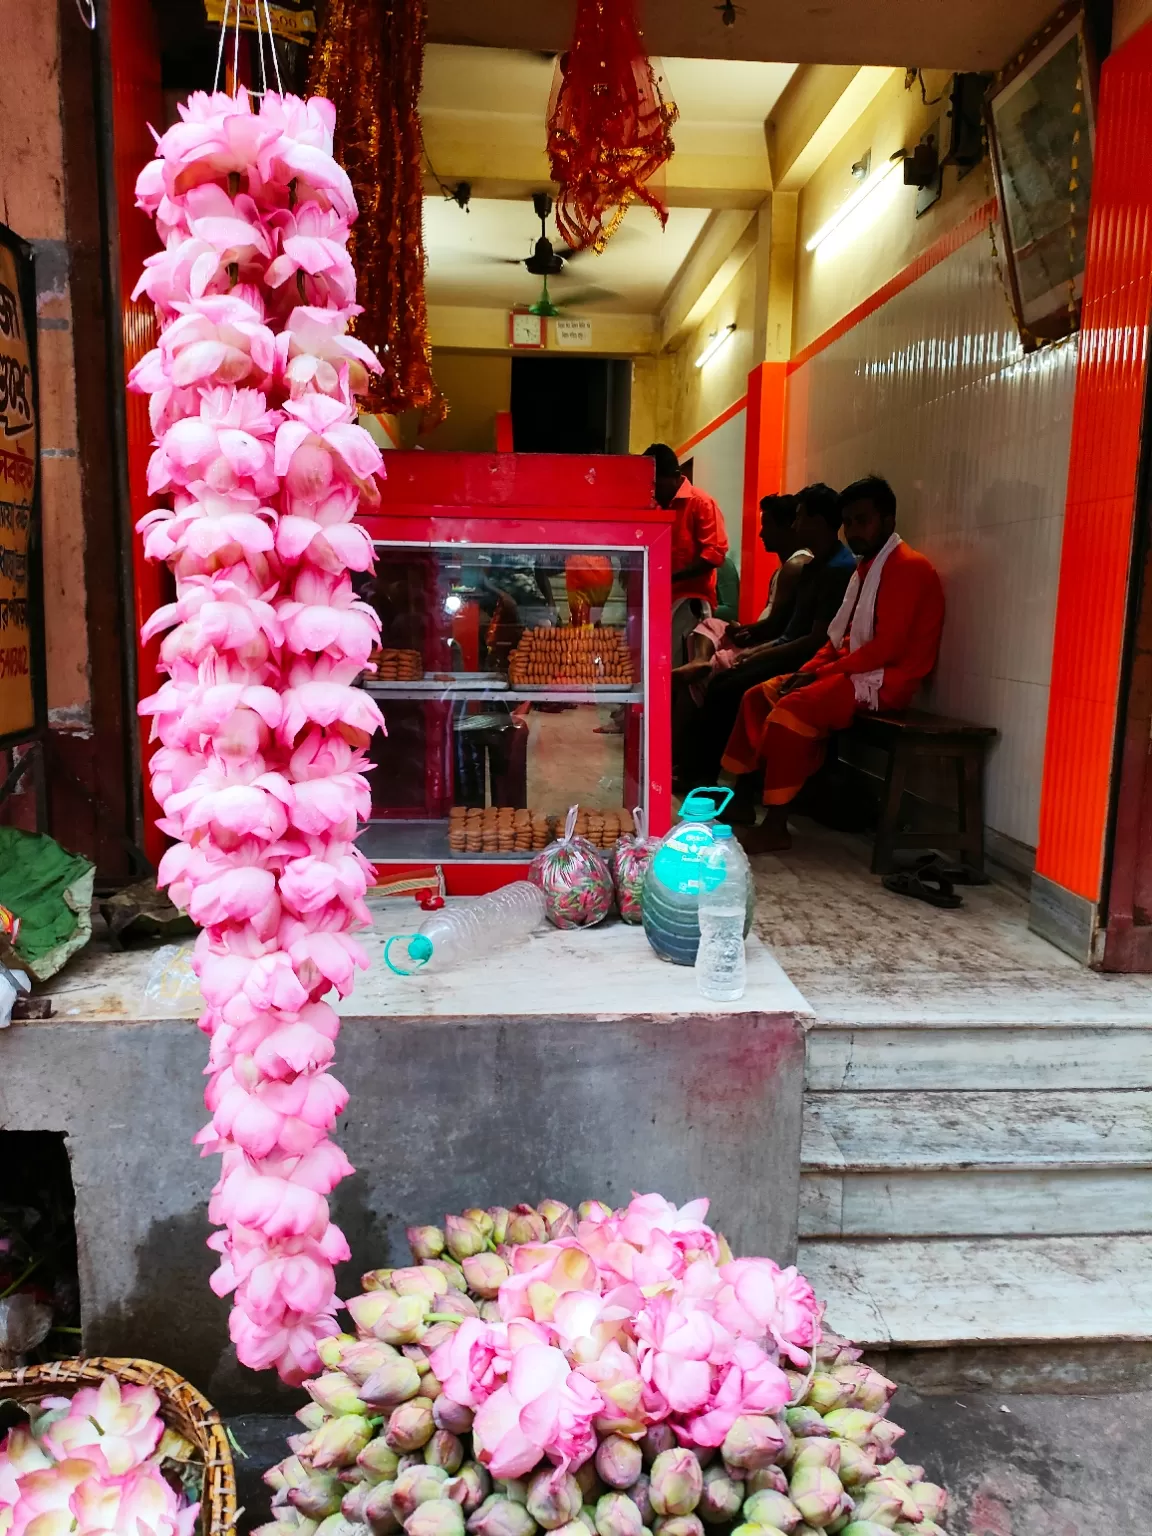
(725, 883)
(459, 933)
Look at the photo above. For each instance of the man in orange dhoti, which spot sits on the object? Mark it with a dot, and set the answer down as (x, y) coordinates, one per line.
(881, 646)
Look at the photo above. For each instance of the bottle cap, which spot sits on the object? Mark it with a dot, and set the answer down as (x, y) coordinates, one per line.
(721, 829)
(420, 949)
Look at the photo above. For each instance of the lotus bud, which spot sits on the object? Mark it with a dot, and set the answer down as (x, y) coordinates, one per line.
(403, 1320)
(797, 1384)
(376, 1280)
(589, 1479)
(827, 1392)
(450, 1270)
(318, 1498)
(679, 1525)
(490, 1312)
(451, 1416)
(641, 1495)
(659, 1438)
(301, 1445)
(419, 1280)
(456, 1304)
(900, 1469)
(465, 1237)
(847, 1424)
(806, 1422)
(436, 1517)
(879, 1507)
(470, 1487)
(431, 1386)
(437, 1334)
(378, 1512)
(753, 1441)
(868, 1389)
(618, 1515)
(335, 1392)
(572, 1528)
(414, 1486)
(772, 1478)
(312, 1415)
(514, 1488)
(893, 1488)
(353, 1502)
(552, 1210)
(368, 1308)
(856, 1465)
(560, 1219)
(340, 1441)
(336, 1525)
(410, 1426)
(498, 1516)
(811, 1452)
(554, 1498)
(587, 1518)
(379, 1460)
(525, 1226)
(931, 1500)
(921, 1528)
(289, 1473)
(499, 1215)
(721, 1498)
(364, 1357)
(482, 1218)
(819, 1495)
(484, 1273)
(677, 1482)
(444, 1450)
(331, 1350)
(885, 1434)
(411, 1459)
(772, 1510)
(870, 1528)
(618, 1461)
(418, 1356)
(425, 1242)
(394, 1383)
(593, 1210)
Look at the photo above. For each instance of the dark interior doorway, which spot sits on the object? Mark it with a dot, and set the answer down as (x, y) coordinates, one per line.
(571, 404)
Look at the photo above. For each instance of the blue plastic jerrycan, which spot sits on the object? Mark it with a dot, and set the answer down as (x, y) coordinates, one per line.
(671, 897)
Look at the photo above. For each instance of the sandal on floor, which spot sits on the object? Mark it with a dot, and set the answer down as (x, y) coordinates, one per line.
(924, 884)
(958, 874)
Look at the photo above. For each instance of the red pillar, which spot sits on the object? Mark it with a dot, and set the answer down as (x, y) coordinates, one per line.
(763, 476)
(1101, 499)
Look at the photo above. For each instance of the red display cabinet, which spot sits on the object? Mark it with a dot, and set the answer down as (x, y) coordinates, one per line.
(525, 606)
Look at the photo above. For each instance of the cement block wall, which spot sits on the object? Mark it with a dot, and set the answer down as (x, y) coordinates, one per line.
(444, 1114)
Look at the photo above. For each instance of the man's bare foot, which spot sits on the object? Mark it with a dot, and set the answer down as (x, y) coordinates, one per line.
(766, 838)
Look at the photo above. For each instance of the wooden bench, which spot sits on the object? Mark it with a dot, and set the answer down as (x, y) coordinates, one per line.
(915, 734)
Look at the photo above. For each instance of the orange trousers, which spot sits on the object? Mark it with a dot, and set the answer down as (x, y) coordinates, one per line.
(786, 736)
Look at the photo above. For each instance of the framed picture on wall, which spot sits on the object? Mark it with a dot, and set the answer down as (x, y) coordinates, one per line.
(1041, 133)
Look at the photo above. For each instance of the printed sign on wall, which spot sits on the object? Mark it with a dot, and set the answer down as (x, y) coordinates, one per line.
(573, 333)
(19, 465)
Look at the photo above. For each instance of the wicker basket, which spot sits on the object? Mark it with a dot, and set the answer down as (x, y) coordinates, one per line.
(181, 1407)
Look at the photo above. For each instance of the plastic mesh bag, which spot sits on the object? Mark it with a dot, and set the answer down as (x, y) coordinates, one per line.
(576, 882)
(629, 862)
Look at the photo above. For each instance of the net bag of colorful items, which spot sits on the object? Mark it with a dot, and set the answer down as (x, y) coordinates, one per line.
(575, 879)
(595, 1373)
(115, 1446)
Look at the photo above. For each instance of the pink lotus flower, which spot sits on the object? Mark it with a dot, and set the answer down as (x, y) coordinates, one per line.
(303, 153)
(218, 340)
(43, 1507)
(218, 136)
(314, 251)
(141, 1502)
(121, 1422)
(226, 446)
(319, 444)
(766, 1300)
(324, 614)
(208, 532)
(545, 1409)
(314, 350)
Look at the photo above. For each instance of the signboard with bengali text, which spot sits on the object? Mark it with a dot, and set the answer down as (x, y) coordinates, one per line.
(20, 617)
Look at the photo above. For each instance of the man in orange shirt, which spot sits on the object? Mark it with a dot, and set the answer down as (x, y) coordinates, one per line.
(699, 545)
(881, 646)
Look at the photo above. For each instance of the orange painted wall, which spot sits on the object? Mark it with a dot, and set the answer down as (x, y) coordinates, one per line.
(1106, 443)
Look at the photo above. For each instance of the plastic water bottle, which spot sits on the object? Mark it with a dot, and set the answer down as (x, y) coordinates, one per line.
(460, 933)
(720, 972)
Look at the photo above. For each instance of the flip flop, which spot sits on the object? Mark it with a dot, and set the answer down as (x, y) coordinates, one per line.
(923, 885)
(958, 874)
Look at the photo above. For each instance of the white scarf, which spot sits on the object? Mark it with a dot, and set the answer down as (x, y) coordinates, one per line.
(859, 608)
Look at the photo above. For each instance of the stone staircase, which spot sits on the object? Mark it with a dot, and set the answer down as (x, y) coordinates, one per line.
(981, 1184)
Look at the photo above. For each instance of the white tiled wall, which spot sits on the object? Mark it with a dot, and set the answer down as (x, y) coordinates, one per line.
(718, 468)
(934, 392)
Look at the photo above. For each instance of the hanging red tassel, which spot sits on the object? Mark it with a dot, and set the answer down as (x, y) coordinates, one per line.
(609, 125)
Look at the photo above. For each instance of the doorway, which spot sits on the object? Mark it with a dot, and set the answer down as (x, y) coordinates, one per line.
(571, 404)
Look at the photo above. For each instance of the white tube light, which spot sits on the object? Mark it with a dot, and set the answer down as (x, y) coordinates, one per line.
(716, 341)
(861, 195)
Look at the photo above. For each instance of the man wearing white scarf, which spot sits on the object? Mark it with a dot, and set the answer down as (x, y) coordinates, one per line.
(881, 646)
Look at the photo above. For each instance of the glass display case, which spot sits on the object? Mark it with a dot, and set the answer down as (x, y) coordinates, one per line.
(519, 637)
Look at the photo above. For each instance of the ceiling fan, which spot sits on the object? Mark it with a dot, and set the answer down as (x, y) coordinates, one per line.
(549, 261)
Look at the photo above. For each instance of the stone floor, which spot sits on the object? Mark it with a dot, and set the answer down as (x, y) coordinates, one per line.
(1014, 1465)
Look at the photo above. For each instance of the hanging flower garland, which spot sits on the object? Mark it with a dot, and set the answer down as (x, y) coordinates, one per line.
(262, 733)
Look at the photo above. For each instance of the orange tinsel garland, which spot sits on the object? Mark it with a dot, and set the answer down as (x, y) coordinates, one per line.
(368, 60)
(609, 125)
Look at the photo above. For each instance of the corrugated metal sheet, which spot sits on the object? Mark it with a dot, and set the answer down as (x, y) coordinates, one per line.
(1102, 480)
(934, 392)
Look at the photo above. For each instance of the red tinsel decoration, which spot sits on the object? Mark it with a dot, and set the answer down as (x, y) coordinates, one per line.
(609, 125)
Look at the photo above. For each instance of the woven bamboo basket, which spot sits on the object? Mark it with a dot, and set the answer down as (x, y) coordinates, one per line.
(181, 1407)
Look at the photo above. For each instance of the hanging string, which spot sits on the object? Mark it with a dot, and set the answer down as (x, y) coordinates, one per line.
(236, 55)
(271, 43)
(220, 45)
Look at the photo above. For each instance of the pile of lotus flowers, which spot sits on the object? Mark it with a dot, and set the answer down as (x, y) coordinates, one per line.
(93, 1465)
(593, 1373)
(260, 769)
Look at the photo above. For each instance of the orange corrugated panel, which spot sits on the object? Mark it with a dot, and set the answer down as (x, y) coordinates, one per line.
(1102, 475)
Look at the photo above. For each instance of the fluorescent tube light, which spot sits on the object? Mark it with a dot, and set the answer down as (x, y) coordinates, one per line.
(850, 204)
(717, 340)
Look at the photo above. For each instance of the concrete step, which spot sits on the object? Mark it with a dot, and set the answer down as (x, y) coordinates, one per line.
(912, 1293)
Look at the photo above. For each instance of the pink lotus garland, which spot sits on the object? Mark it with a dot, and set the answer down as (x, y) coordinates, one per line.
(92, 1466)
(260, 771)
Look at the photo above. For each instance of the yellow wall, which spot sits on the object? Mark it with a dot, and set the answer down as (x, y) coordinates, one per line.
(883, 236)
(699, 395)
(476, 386)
